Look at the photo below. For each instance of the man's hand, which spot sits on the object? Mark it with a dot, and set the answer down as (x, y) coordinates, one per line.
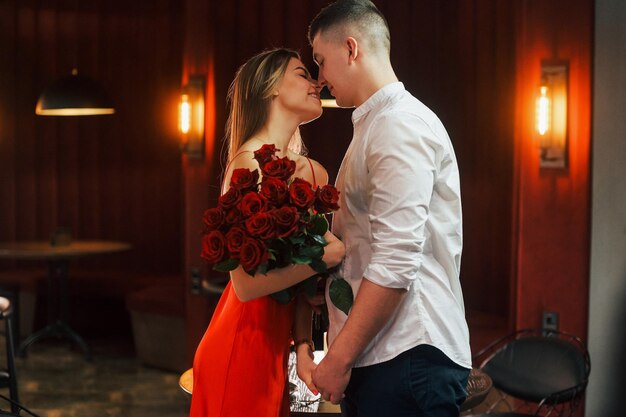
(331, 378)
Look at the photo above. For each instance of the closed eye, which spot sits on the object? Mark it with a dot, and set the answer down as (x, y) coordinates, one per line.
(304, 73)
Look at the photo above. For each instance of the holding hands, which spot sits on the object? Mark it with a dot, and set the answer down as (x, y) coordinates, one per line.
(331, 377)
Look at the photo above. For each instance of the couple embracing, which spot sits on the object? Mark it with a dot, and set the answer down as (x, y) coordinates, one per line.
(403, 349)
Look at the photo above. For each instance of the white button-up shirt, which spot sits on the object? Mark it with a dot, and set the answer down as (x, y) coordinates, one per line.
(400, 219)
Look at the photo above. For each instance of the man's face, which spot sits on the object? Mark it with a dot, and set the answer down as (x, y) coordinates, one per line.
(332, 59)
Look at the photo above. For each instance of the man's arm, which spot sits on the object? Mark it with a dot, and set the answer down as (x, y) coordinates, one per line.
(402, 161)
(333, 373)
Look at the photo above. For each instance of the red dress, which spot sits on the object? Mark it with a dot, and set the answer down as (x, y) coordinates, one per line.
(240, 367)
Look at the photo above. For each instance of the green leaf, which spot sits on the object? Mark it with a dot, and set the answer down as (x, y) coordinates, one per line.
(227, 265)
(297, 240)
(318, 265)
(282, 296)
(302, 260)
(311, 251)
(262, 269)
(341, 294)
(319, 239)
(319, 225)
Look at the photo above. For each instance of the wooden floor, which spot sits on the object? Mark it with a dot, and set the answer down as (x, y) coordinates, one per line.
(56, 381)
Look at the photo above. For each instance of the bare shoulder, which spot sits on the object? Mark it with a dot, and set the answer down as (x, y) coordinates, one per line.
(321, 176)
(243, 158)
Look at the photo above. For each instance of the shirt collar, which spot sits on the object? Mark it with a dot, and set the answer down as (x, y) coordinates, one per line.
(377, 99)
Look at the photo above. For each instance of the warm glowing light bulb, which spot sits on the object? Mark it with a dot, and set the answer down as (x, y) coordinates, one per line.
(543, 111)
(185, 114)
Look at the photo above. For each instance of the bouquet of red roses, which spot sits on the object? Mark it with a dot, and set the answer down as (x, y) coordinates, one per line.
(271, 223)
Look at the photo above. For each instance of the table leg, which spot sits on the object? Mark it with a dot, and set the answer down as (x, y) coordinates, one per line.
(57, 311)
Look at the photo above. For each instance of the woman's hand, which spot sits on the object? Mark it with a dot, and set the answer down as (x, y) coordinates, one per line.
(305, 366)
(334, 251)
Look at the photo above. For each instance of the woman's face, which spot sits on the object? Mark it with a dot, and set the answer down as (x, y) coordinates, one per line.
(298, 93)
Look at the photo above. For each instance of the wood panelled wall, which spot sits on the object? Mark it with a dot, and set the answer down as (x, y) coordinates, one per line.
(474, 62)
(109, 177)
(552, 218)
(457, 57)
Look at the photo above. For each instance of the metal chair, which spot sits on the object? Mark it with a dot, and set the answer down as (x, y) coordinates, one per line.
(8, 377)
(537, 372)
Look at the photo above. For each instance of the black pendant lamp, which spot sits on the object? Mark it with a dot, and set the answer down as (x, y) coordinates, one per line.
(74, 95)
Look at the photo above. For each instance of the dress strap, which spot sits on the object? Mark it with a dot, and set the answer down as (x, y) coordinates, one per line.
(312, 172)
(228, 166)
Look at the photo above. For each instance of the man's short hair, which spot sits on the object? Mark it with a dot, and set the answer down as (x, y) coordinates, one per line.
(337, 19)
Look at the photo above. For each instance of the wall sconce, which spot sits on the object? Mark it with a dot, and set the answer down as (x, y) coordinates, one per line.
(551, 115)
(191, 117)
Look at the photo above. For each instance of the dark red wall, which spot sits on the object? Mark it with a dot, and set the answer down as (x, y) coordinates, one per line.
(552, 231)
(108, 177)
(476, 63)
(457, 57)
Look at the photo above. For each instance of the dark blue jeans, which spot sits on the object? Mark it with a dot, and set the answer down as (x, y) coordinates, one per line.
(421, 382)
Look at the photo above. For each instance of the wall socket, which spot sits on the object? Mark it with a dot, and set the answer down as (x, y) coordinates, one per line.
(550, 320)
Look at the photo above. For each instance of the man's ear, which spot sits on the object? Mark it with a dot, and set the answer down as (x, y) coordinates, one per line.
(353, 49)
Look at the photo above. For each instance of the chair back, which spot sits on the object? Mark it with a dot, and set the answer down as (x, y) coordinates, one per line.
(538, 366)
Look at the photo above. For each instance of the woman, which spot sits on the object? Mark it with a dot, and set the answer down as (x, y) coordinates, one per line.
(240, 367)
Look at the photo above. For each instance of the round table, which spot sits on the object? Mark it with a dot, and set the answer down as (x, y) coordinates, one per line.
(42, 250)
(58, 257)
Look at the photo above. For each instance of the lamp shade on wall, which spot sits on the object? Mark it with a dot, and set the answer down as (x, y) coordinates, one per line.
(551, 115)
(74, 95)
(191, 117)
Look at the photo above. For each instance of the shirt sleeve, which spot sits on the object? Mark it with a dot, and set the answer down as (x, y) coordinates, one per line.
(402, 157)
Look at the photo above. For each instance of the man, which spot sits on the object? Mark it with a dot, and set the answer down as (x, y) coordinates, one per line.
(403, 349)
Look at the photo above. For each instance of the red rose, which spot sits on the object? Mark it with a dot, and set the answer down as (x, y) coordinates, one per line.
(274, 191)
(234, 239)
(326, 199)
(244, 179)
(252, 254)
(233, 216)
(265, 154)
(285, 221)
(282, 168)
(261, 225)
(301, 193)
(251, 203)
(230, 198)
(213, 244)
(213, 218)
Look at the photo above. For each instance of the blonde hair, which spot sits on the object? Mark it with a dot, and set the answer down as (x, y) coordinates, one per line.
(250, 95)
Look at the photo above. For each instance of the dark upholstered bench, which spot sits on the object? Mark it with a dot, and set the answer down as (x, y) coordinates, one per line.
(158, 320)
